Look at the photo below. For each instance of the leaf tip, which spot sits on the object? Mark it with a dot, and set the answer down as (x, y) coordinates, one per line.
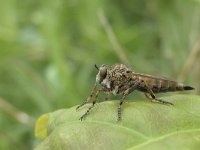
(41, 127)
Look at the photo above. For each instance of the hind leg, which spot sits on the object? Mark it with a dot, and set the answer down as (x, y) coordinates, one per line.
(150, 95)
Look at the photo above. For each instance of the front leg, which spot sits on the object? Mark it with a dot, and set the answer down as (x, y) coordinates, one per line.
(93, 102)
(89, 98)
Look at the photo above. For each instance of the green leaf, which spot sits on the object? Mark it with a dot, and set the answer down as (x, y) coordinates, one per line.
(144, 126)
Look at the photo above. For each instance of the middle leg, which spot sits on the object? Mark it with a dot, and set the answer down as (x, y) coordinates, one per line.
(119, 110)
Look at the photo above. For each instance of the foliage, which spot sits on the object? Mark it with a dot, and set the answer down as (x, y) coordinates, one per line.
(145, 126)
(48, 50)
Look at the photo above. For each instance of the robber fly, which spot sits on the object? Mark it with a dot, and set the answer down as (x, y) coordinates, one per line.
(119, 79)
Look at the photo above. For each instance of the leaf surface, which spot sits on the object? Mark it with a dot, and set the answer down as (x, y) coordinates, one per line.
(144, 126)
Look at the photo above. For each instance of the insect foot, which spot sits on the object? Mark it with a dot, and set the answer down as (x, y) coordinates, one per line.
(162, 102)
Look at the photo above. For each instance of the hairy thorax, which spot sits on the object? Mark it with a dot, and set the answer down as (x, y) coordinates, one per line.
(118, 79)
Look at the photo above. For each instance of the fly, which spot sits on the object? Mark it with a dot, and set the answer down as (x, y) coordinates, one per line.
(120, 79)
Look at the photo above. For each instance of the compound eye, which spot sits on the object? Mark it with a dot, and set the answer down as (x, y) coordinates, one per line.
(103, 73)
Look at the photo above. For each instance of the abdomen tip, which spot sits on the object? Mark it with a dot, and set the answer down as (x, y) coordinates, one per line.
(188, 88)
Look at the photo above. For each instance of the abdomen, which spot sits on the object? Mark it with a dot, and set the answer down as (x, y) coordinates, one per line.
(157, 84)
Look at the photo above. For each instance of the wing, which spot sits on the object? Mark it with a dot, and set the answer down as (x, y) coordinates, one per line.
(155, 83)
(153, 76)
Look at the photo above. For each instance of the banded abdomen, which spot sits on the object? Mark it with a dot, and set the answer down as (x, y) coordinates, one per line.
(159, 84)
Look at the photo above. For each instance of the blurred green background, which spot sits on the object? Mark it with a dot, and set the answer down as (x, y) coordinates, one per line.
(48, 50)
